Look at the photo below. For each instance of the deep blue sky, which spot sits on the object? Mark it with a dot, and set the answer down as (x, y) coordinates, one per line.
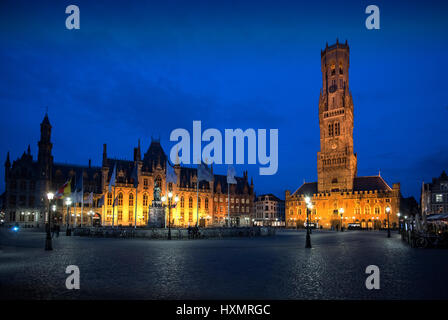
(138, 69)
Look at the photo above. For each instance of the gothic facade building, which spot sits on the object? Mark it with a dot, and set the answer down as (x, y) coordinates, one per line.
(340, 197)
(28, 181)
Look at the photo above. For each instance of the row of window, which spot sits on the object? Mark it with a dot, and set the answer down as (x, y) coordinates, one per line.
(367, 210)
(119, 215)
(334, 129)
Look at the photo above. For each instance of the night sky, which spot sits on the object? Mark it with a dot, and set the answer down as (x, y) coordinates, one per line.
(138, 69)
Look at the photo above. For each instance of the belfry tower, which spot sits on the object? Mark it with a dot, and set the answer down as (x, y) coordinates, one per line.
(336, 161)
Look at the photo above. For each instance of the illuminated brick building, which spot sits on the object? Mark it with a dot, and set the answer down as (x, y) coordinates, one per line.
(338, 190)
(28, 181)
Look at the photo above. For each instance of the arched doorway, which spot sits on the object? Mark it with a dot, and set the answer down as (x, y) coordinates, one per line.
(96, 220)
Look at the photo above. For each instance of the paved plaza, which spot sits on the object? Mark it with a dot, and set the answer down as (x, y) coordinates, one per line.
(277, 267)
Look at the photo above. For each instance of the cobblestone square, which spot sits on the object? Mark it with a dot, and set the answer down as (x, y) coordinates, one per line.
(277, 267)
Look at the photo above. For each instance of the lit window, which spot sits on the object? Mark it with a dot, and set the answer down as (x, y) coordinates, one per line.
(367, 210)
(439, 197)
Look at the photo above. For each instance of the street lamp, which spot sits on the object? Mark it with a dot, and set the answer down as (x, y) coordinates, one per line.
(341, 212)
(68, 202)
(308, 208)
(388, 222)
(176, 199)
(48, 244)
(399, 223)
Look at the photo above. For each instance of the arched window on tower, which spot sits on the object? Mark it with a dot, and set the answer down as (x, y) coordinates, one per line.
(341, 70)
(330, 130)
(120, 199)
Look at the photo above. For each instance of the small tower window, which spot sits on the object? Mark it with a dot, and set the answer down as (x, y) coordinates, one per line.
(341, 70)
(333, 69)
(330, 130)
(337, 129)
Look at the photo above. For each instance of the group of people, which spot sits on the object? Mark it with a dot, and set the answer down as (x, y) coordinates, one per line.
(193, 232)
(55, 229)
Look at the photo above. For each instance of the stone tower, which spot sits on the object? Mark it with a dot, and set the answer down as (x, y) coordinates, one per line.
(336, 161)
(44, 162)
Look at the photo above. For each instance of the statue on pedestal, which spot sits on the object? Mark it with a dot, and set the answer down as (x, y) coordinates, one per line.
(156, 210)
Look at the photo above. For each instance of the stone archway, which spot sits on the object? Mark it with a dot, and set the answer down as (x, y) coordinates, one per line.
(96, 219)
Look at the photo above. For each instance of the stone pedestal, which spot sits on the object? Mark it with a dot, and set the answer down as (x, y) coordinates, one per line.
(156, 215)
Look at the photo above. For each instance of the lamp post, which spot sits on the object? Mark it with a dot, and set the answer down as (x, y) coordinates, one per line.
(176, 199)
(48, 244)
(308, 207)
(388, 222)
(341, 212)
(399, 223)
(68, 202)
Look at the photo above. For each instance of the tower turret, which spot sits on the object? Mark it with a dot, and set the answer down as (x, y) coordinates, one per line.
(7, 167)
(104, 155)
(44, 158)
(336, 161)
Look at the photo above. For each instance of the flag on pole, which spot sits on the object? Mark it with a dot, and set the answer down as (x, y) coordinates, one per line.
(204, 173)
(112, 178)
(101, 201)
(134, 175)
(231, 175)
(90, 198)
(79, 184)
(65, 190)
(115, 201)
(170, 173)
(75, 196)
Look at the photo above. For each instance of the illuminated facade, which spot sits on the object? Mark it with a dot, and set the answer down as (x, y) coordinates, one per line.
(28, 181)
(340, 197)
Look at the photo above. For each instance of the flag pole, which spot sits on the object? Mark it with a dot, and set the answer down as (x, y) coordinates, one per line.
(197, 203)
(113, 208)
(75, 205)
(82, 196)
(228, 202)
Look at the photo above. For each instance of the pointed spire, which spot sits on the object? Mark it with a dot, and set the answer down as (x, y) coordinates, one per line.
(29, 150)
(46, 120)
(379, 173)
(7, 162)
